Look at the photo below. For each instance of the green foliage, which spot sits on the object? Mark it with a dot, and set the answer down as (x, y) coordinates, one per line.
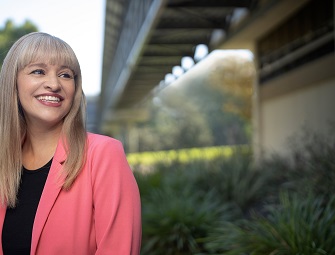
(191, 114)
(10, 33)
(173, 126)
(175, 215)
(175, 219)
(181, 205)
(228, 205)
(233, 76)
(147, 159)
(235, 180)
(311, 169)
(296, 226)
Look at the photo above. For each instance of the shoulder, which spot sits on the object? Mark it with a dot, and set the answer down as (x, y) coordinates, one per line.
(97, 142)
(97, 138)
(106, 158)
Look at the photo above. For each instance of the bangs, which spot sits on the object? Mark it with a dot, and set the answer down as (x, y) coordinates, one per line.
(48, 49)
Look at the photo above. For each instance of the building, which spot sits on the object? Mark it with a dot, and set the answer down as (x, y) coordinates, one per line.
(293, 45)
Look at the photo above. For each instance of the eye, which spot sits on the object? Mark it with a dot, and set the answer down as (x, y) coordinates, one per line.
(67, 75)
(38, 71)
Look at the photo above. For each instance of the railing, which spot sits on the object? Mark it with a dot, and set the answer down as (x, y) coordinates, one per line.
(139, 20)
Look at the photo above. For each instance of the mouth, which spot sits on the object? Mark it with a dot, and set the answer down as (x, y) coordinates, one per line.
(50, 99)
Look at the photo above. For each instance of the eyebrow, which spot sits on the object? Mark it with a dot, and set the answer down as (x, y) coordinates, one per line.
(37, 65)
(43, 65)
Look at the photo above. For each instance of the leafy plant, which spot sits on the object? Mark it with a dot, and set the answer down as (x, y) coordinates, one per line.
(175, 220)
(297, 226)
(314, 166)
(143, 160)
(235, 180)
(228, 205)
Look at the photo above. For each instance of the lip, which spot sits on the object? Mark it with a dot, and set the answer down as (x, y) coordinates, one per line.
(50, 103)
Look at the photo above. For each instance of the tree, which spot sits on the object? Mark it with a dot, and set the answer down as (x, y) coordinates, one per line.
(233, 75)
(210, 105)
(175, 123)
(10, 33)
(191, 113)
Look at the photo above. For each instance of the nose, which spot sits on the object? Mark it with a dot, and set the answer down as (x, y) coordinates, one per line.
(52, 83)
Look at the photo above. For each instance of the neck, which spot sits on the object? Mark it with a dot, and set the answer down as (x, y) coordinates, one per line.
(39, 147)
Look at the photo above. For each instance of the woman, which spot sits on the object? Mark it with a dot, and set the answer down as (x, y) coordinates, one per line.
(62, 190)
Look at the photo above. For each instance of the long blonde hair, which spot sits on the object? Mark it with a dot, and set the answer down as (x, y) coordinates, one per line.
(27, 49)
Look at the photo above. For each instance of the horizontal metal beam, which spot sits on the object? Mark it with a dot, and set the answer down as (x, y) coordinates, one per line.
(169, 50)
(154, 69)
(199, 39)
(214, 24)
(139, 83)
(206, 3)
(160, 60)
(148, 76)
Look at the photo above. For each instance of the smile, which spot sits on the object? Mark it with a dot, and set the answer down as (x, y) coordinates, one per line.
(51, 99)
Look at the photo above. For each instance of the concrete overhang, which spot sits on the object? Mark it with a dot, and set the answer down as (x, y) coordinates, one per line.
(266, 17)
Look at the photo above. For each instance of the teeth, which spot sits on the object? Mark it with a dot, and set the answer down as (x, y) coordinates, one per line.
(48, 98)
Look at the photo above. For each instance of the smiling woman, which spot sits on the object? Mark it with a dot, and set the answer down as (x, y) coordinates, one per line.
(51, 166)
(46, 93)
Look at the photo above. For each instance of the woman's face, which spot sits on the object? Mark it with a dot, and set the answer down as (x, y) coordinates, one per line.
(46, 93)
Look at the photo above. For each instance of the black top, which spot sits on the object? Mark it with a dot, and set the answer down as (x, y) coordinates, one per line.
(18, 223)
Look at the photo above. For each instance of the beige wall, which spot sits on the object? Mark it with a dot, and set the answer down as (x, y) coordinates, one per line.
(298, 99)
(284, 114)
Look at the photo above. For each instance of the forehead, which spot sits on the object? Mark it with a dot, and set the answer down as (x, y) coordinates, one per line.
(43, 58)
(45, 63)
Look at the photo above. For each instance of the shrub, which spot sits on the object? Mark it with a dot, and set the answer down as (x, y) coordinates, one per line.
(235, 181)
(296, 226)
(313, 168)
(226, 205)
(149, 160)
(175, 220)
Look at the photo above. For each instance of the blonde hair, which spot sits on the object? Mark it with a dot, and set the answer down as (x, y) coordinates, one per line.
(29, 48)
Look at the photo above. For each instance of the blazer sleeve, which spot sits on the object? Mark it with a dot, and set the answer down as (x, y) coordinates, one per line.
(116, 200)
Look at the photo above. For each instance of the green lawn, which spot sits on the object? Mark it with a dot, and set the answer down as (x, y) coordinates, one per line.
(183, 155)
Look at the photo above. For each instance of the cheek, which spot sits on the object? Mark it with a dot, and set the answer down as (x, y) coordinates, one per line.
(21, 92)
(25, 86)
(72, 93)
(70, 89)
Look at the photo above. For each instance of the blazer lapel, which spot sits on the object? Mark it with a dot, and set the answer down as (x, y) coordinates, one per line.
(2, 218)
(50, 193)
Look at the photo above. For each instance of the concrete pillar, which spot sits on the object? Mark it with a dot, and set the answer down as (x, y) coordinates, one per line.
(256, 106)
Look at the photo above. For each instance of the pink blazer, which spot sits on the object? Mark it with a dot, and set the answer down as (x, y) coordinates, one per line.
(100, 214)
